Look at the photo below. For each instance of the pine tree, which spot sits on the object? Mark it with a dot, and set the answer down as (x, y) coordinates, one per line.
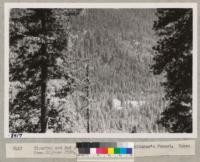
(38, 38)
(173, 59)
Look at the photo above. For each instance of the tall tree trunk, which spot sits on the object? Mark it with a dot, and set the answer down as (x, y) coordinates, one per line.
(43, 97)
(87, 94)
(44, 75)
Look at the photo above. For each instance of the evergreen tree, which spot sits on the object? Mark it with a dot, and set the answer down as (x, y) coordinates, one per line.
(38, 38)
(173, 59)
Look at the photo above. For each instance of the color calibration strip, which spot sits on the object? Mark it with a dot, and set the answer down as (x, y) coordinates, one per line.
(105, 151)
(109, 151)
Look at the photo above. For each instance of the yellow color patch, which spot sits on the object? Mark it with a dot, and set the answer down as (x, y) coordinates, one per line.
(110, 150)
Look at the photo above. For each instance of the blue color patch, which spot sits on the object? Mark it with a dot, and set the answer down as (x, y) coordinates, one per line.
(122, 150)
(128, 150)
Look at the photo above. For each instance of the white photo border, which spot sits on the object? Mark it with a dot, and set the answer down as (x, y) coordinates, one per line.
(8, 6)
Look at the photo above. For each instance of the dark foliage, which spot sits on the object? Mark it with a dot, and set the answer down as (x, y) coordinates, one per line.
(37, 40)
(173, 58)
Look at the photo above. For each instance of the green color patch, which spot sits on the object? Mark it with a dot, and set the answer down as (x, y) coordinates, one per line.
(117, 151)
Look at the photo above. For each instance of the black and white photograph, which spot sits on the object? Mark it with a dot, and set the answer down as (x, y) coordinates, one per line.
(111, 71)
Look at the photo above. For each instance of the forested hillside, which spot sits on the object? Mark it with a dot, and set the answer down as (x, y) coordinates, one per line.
(106, 57)
(119, 44)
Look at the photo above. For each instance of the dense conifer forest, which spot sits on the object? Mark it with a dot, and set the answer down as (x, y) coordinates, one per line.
(84, 70)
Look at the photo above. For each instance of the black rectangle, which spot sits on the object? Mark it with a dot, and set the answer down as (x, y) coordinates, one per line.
(83, 144)
(94, 145)
(84, 150)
